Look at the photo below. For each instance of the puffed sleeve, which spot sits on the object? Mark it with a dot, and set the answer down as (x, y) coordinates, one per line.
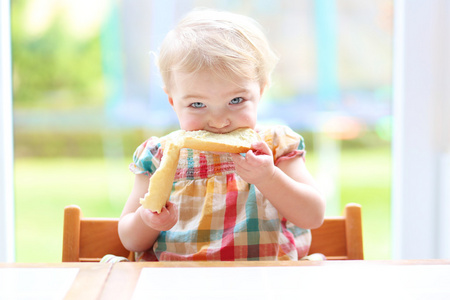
(147, 157)
(284, 142)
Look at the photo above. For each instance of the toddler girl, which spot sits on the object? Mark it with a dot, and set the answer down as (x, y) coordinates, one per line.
(258, 206)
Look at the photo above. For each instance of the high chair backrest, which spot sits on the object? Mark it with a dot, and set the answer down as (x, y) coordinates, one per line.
(89, 239)
(340, 238)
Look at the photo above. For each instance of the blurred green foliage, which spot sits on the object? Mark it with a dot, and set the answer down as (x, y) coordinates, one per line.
(54, 67)
(78, 143)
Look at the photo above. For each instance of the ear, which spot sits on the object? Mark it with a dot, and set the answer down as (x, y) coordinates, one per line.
(261, 91)
(168, 96)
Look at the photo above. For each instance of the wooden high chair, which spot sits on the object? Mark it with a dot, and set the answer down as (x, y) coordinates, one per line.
(89, 239)
(340, 238)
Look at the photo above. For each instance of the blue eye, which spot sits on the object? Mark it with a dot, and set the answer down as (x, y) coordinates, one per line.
(236, 100)
(197, 105)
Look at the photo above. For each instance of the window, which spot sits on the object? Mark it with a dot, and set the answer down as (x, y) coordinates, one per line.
(86, 94)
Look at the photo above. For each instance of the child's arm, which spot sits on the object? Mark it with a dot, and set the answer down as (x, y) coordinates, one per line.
(289, 186)
(139, 227)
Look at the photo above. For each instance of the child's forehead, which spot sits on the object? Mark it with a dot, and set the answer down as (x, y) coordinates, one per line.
(206, 76)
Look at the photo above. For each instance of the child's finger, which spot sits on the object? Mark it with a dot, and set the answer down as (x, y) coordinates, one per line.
(165, 210)
(171, 208)
(254, 158)
(251, 156)
(261, 148)
(239, 161)
(236, 157)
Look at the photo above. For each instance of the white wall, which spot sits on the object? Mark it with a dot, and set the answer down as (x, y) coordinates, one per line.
(6, 137)
(421, 142)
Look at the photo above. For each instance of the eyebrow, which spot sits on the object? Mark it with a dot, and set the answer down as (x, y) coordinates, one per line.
(190, 96)
(239, 91)
(200, 97)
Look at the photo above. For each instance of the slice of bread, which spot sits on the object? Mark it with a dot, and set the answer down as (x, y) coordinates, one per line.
(160, 187)
(237, 141)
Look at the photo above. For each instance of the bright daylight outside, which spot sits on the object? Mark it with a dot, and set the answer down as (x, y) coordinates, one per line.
(87, 92)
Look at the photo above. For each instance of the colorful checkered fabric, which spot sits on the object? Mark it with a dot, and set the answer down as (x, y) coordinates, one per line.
(222, 217)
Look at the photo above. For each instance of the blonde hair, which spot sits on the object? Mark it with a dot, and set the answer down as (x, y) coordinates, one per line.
(230, 45)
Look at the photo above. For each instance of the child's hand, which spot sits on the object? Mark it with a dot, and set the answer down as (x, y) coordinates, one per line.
(257, 166)
(162, 221)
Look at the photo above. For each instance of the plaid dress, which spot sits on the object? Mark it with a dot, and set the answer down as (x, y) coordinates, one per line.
(222, 217)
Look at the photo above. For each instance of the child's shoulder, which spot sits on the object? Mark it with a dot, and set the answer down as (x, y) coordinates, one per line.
(148, 155)
(154, 145)
(274, 132)
(281, 139)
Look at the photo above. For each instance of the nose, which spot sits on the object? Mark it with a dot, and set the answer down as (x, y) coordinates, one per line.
(219, 120)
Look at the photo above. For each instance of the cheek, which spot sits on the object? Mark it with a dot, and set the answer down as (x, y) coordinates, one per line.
(252, 112)
(247, 118)
(187, 120)
(190, 123)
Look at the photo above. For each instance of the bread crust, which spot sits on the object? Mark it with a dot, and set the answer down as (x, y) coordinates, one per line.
(160, 186)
